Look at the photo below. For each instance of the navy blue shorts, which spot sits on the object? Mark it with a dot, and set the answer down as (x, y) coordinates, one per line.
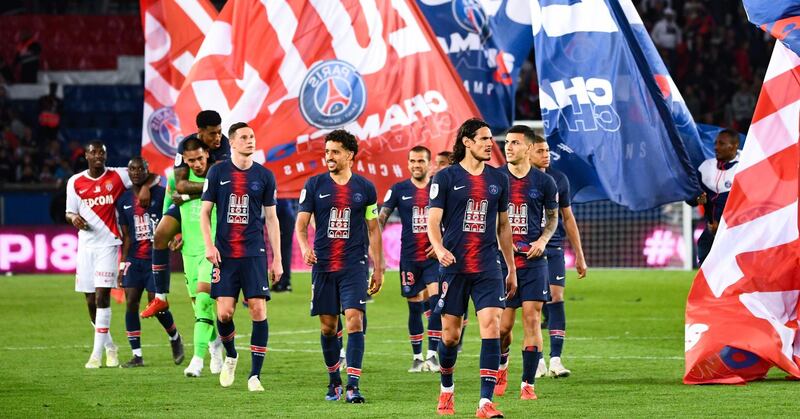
(556, 266)
(174, 211)
(334, 292)
(248, 275)
(415, 276)
(487, 289)
(532, 285)
(139, 275)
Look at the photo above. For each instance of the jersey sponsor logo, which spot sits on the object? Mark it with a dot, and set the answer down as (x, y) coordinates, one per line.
(339, 223)
(332, 94)
(419, 219)
(434, 190)
(165, 132)
(97, 189)
(255, 186)
(238, 209)
(109, 186)
(518, 218)
(475, 216)
(321, 196)
(98, 200)
(406, 198)
(455, 188)
(143, 228)
(224, 182)
(127, 206)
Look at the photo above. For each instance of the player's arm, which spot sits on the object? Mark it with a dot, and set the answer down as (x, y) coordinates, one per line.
(274, 236)
(504, 240)
(435, 236)
(126, 246)
(301, 234)
(574, 236)
(386, 212)
(212, 254)
(389, 203)
(144, 195)
(550, 206)
(182, 183)
(73, 207)
(375, 249)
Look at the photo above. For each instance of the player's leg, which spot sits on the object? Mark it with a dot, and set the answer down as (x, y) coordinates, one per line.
(256, 289)
(430, 277)
(557, 320)
(166, 230)
(353, 294)
(225, 287)
(91, 305)
(340, 341)
(412, 288)
(133, 327)
(507, 320)
(488, 296)
(84, 283)
(451, 308)
(198, 285)
(105, 277)
(531, 346)
(325, 305)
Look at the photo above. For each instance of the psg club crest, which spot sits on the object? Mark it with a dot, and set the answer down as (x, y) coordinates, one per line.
(332, 94)
(164, 130)
(494, 189)
(358, 197)
(469, 14)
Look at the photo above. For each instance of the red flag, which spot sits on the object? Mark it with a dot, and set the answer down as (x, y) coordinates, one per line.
(297, 69)
(741, 314)
(173, 32)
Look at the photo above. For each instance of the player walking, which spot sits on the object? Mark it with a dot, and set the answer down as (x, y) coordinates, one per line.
(137, 225)
(344, 206)
(240, 189)
(419, 272)
(533, 214)
(470, 199)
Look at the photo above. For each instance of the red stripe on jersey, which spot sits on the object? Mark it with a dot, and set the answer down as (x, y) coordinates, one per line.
(472, 241)
(518, 198)
(236, 234)
(341, 200)
(421, 241)
(144, 249)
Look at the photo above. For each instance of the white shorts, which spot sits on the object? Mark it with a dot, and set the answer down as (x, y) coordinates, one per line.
(97, 268)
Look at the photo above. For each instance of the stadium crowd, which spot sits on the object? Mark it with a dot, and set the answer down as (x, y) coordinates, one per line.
(693, 38)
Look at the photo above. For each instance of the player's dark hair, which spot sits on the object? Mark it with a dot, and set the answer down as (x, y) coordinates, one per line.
(96, 144)
(194, 143)
(445, 153)
(733, 135)
(236, 126)
(468, 129)
(347, 140)
(525, 130)
(420, 149)
(206, 119)
(138, 159)
(538, 139)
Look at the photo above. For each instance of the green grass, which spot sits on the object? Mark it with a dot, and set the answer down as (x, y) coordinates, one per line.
(624, 346)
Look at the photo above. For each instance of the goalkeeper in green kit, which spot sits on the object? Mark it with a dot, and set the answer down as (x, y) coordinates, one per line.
(186, 209)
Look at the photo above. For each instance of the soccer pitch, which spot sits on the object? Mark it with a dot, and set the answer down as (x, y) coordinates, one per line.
(624, 346)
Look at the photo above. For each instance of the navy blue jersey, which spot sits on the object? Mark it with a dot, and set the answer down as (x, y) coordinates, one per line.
(527, 199)
(470, 204)
(412, 203)
(239, 196)
(221, 153)
(140, 222)
(562, 183)
(340, 212)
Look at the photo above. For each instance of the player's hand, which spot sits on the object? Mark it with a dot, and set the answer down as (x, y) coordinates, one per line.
(430, 253)
(144, 197)
(309, 257)
(79, 222)
(176, 198)
(537, 249)
(275, 272)
(445, 257)
(713, 226)
(511, 284)
(702, 199)
(212, 255)
(375, 282)
(176, 244)
(580, 266)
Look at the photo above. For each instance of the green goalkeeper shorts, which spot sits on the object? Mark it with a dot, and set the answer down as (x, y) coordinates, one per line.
(197, 269)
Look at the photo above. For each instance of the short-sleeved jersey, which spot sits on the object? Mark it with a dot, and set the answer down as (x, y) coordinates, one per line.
(140, 222)
(221, 153)
(341, 239)
(528, 197)
(239, 196)
(193, 243)
(413, 204)
(93, 199)
(564, 201)
(471, 205)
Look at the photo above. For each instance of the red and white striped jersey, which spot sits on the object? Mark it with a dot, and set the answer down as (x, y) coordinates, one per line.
(93, 199)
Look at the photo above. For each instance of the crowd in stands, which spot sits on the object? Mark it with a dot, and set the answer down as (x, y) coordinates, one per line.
(716, 57)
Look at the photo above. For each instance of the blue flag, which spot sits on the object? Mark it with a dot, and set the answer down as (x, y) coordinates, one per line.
(487, 42)
(780, 18)
(614, 118)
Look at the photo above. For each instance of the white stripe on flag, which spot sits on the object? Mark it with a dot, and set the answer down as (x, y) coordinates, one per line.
(196, 13)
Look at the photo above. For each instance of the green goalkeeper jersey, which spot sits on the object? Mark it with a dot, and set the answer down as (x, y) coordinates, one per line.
(193, 244)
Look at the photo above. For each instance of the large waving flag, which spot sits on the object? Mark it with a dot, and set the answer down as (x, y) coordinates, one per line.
(612, 113)
(487, 42)
(173, 32)
(742, 310)
(297, 69)
(779, 18)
